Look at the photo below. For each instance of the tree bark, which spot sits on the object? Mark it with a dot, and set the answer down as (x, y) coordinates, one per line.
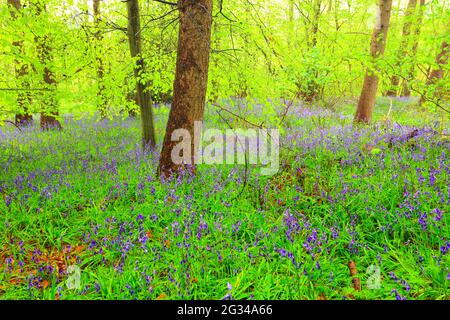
(191, 78)
(290, 35)
(312, 88)
(102, 103)
(369, 91)
(406, 92)
(437, 74)
(441, 60)
(22, 117)
(49, 115)
(143, 94)
(404, 47)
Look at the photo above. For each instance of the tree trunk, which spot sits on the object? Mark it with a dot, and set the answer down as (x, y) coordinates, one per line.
(49, 115)
(441, 60)
(290, 35)
(317, 4)
(406, 92)
(404, 47)
(369, 91)
(102, 103)
(215, 60)
(312, 88)
(191, 77)
(143, 94)
(22, 117)
(437, 74)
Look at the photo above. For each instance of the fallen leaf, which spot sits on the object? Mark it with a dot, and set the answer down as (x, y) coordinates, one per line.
(353, 271)
(356, 284)
(352, 267)
(161, 296)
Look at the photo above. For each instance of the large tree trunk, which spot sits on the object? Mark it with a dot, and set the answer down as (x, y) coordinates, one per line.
(369, 91)
(102, 102)
(143, 94)
(191, 77)
(406, 91)
(50, 113)
(404, 47)
(22, 117)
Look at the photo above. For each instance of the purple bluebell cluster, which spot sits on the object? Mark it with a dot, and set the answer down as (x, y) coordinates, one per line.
(91, 194)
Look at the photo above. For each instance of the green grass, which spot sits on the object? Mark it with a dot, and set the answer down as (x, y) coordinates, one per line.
(289, 236)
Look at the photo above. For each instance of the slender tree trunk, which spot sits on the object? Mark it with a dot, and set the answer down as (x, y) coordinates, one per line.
(437, 74)
(406, 92)
(50, 113)
(215, 60)
(369, 91)
(312, 88)
(102, 103)
(317, 4)
(290, 35)
(48, 117)
(22, 117)
(133, 98)
(441, 60)
(191, 77)
(143, 94)
(404, 47)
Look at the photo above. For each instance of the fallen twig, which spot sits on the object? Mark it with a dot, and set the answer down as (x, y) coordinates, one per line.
(14, 124)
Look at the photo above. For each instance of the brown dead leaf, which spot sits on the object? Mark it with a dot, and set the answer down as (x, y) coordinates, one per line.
(367, 148)
(161, 296)
(352, 268)
(171, 200)
(356, 284)
(353, 271)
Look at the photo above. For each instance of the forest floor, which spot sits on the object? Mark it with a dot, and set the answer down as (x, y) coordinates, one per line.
(354, 212)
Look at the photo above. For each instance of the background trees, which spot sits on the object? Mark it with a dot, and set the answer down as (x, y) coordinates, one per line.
(142, 90)
(405, 48)
(99, 59)
(49, 108)
(378, 42)
(22, 116)
(314, 50)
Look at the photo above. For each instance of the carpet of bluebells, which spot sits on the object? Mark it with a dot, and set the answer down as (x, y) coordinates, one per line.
(377, 197)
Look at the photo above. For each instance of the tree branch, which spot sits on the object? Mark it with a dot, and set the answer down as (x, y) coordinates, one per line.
(26, 89)
(167, 2)
(15, 125)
